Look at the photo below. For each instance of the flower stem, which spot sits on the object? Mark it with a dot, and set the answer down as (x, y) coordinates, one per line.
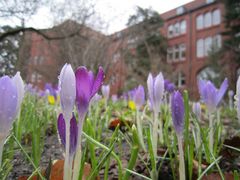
(77, 159)
(139, 128)
(155, 133)
(210, 133)
(66, 162)
(181, 159)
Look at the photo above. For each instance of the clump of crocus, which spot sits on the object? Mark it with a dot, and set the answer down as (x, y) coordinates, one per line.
(10, 102)
(177, 108)
(211, 96)
(76, 88)
(139, 100)
(155, 93)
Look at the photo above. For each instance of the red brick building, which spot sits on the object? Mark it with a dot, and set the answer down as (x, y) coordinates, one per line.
(191, 30)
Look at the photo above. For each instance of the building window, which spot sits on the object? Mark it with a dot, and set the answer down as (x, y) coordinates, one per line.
(183, 27)
(170, 31)
(200, 21)
(216, 17)
(169, 54)
(180, 10)
(200, 48)
(177, 29)
(207, 45)
(176, 53)
(181, 79)
(209, 1)
(182, 51)
(207, 19)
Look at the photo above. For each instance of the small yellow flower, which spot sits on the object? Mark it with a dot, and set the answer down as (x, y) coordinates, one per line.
(51, 99)
(131, 105)
(203, 107)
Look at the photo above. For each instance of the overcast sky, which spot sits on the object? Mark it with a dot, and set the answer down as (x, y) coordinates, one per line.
(114, 12)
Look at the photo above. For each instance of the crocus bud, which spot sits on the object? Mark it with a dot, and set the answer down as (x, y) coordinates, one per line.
(177, 108)
(106, 91)
(155, 91)
(196, 108)
(8, 105)
(17, 80)
(210, 95)
(67, 85)
(139, 96)
(73, 132)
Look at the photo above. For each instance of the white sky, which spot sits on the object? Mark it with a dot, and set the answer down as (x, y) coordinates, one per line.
(114, 12)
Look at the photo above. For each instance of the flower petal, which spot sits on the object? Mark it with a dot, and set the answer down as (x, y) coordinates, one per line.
(221, 91)
(8, 104)
(73, 134)
(139, 96)
(177, 108)
(150, 85)
(67, 85)
(17, 80)
(158, 90)
(62, 129)
(84, 84)
(98, 81)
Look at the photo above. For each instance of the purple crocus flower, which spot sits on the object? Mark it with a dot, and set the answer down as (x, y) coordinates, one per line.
(87, 86)
(155, 91)
(67, 86)
(169, 86)
(210, 95)
(177, 109)
(139, 96)
(106, 91)
(73, 132)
